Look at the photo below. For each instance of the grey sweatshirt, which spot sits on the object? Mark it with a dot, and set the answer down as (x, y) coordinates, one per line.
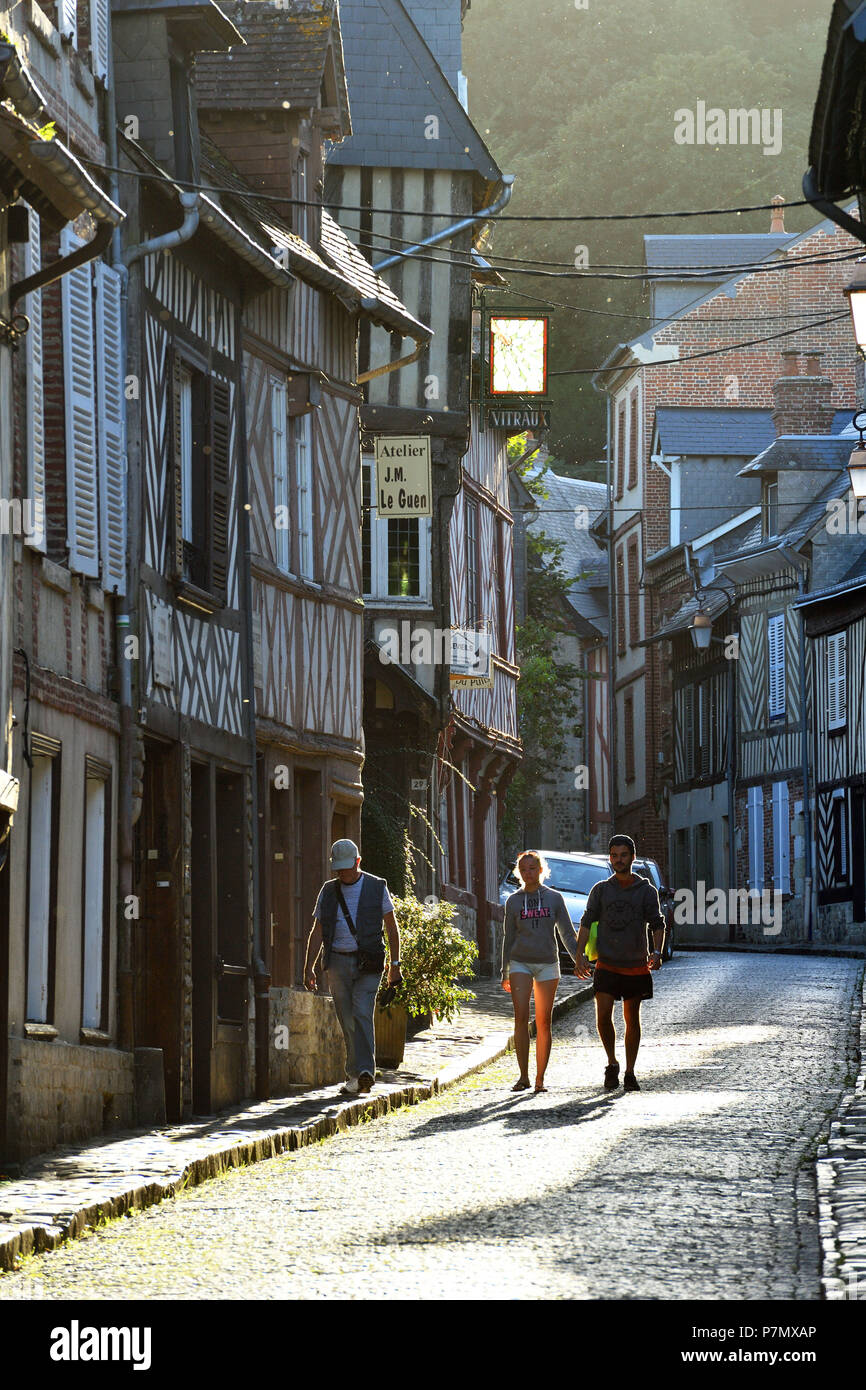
(532, 921)
(623, 915)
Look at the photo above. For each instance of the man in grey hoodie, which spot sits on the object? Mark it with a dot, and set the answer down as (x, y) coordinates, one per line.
(624, 906)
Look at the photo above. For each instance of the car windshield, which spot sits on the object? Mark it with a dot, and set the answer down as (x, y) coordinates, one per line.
(570, 876)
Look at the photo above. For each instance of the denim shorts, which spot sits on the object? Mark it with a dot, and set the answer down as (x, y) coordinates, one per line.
(539, 970)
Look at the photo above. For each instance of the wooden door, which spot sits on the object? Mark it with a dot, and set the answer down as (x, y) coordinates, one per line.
(156, 936)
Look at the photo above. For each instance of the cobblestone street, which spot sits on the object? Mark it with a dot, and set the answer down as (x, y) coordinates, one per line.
(701, 1186)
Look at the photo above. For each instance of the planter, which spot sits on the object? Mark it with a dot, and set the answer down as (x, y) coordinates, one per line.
(390, 1036)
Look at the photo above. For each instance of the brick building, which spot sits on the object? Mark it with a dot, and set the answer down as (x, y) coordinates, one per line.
(662, 498)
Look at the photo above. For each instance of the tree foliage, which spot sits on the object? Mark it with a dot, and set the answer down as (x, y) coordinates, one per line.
(579, 104)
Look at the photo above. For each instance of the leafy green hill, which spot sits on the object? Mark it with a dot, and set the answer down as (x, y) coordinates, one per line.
(580, 105)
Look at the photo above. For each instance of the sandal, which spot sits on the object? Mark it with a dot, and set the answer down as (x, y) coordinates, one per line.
(611, 1076)
(520, 1084)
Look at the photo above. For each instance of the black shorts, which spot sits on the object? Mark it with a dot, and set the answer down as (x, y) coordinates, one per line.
(622, 986)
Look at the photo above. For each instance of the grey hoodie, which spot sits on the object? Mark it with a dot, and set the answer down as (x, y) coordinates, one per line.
(532, 921)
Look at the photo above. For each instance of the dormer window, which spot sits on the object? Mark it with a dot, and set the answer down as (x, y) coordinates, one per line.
(770, 502)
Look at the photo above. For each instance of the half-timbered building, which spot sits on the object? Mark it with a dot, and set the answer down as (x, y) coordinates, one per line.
(303, 447)
(435, 759)
(65, 1069)
(835, 629)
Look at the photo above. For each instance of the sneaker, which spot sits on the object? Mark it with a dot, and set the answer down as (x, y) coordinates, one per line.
(351, 1087)
(611, 1076)
(365, 1082)
(629, 1082)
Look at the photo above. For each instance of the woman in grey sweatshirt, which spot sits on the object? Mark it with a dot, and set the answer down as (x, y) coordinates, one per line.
(530, 960)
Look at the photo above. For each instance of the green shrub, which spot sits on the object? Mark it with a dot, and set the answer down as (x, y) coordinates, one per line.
(433, 955)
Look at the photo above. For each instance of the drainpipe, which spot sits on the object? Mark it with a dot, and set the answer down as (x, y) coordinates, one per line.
(261, 969)
(732, 788)
(185, 232)
(483, 216)
(797, 562)
(611, 623)
(421, 345)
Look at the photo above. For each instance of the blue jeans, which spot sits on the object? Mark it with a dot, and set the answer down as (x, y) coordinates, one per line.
(355, 1001)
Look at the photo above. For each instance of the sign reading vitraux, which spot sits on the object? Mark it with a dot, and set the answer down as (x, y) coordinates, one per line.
(404, 477)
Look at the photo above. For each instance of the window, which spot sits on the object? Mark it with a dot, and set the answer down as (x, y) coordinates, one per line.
(837, 680)
(43, 826)
(96, 895)
(201, 446)
(279, 432)
(756, 839)
(781, 839)
(628, 736)
(395, 553)
(633, 593)
(302, 434)
(771, 509)
(776, 660)
(471, 514)
(633, 439)
(620, 454)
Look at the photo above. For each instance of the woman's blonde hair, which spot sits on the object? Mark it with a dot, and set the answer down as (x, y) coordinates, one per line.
(543, 866)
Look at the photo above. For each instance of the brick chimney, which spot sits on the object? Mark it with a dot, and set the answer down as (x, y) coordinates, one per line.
(777, 217)
(803, 404)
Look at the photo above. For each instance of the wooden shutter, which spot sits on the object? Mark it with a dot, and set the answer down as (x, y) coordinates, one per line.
(220, 445)
(776, 665)
(620, 457)
(634, 429)
(837, 672)
(67, 19)
(756, 839)
(110, 435)
(781, 838)
(689, 731)
(176, 559)
(82, 494)
(35, 393)
(100, 38)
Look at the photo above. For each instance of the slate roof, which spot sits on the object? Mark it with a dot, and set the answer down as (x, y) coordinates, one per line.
(555, 516)
(807, 451)
(728, 430)
(283, 60)
(715, 254)
(395, 83)
(854, 579)
(841, 421)
(438, 23)
(341, 268)
(814, 514)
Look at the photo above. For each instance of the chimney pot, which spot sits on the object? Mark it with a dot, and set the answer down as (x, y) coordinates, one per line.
(777, 217)
(813, 363)
(790, 362)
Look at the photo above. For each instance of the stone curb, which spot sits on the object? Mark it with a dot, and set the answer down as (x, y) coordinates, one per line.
(803, 948)
(131, 1191)
(841, 1177)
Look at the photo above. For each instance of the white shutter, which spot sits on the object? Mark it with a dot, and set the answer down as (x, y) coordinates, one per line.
(100, 38)
(776, 658)
(67, 19)
(112, 456)
(781, 838)
(756, 839)
(35, 394)
(80, 384)
(837, 673)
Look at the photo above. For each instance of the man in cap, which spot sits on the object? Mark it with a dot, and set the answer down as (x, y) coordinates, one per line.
(350, 912)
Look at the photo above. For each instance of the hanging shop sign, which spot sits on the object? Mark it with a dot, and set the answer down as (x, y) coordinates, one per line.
(404, 477)
(471, 659)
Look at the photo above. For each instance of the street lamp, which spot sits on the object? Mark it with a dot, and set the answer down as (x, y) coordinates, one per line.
(856, 293)
(701, 629)
(857, 461)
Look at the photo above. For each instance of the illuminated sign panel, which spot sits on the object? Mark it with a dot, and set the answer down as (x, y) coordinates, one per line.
(518, 355)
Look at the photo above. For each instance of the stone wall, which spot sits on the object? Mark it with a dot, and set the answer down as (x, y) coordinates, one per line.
(315, 1054)
(60, 1093)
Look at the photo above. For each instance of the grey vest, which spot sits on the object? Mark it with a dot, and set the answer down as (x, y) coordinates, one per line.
(368, 915)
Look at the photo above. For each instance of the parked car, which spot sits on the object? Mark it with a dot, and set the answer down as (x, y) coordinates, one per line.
(648, 868)
(574, 874)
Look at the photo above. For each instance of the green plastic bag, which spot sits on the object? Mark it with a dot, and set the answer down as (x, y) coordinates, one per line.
(591, 951)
